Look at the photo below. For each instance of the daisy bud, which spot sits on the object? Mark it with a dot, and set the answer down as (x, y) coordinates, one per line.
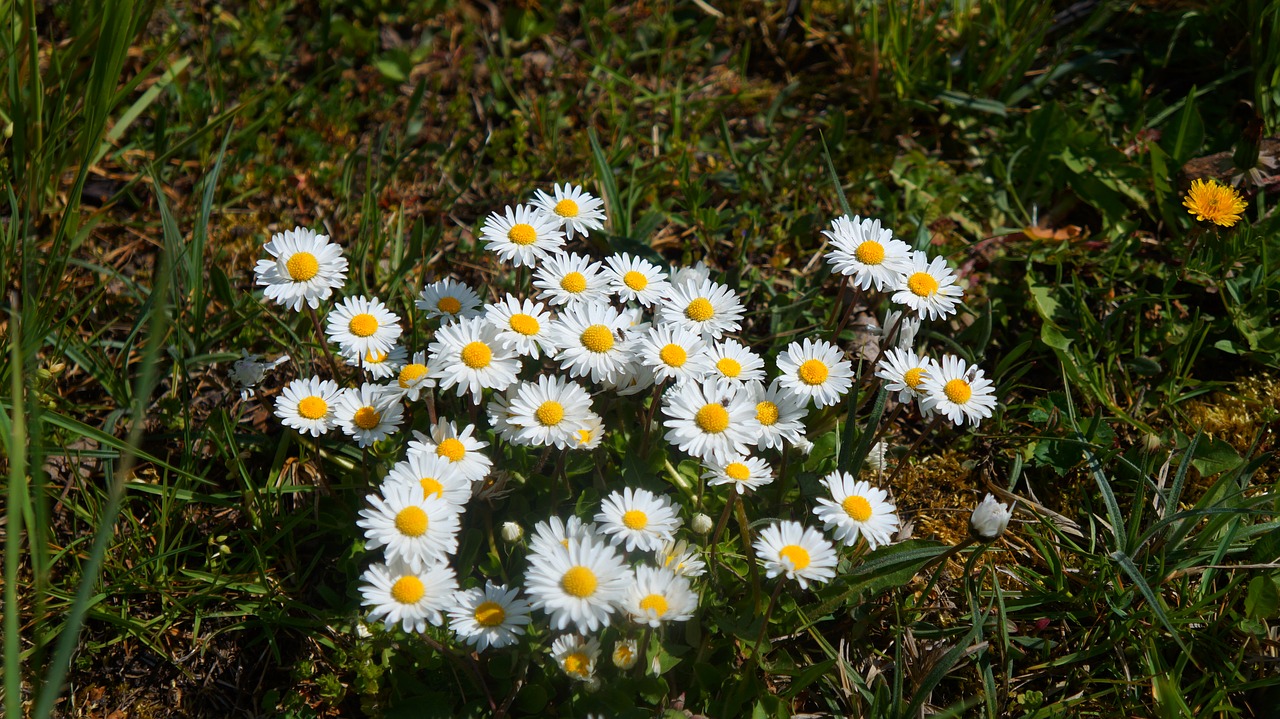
(625, 654)
(803, 445)
(989, 519)
(701, 523)
(512, 532)
(875, 458)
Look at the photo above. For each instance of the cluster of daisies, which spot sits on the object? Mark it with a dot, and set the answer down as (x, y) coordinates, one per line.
(538, 364)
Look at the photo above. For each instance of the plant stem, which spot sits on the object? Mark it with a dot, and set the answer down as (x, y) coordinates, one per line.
(764, 625)
(328, 353)
(724, 518)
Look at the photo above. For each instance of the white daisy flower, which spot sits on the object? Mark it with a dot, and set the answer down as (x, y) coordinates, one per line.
(989, 519)
(467, 354)
(904, 336)
(569, 279)
(449, 300)
(708, 308)
(734, 363)
(657, 596)
(399, 594)
(632, 378)
(799, 552)
(591, 433)
(958, 390)
(867, 252)
(927, 287)
(680, 558)
(780, 414)
(554, 534)
(361, 325)
(856, 509)
(460, 448)
(742, 472)
(635, 278)
(379, 365)
(577, 585)
(577, 212)
(816, 370)
(549, 412)
(522, 236)
(417, 530)
(413, 377)
(307, 268)
(625, 654)
(308, 405)
(432, 476)
(499, 412)
(592, 341)
(523, 326)
(576, 655)
(877, 458)
(368, 414)
(674, 353)
(904, 372)
(709, 421)
(492, 617)
(638, 519)
(690, 275)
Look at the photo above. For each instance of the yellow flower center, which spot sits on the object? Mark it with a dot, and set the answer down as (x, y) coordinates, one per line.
(922, 284)
(712, 418)
(796, 554)
(958, 391)
(477, 355)
(363, 325)
(302, 266)
(767, 413)
(597, 338)
(411, 373)
(526, 325)
(635, 519)
(313, 407)
(635, 280)
(490, 614)
(412, 522)
(449, 305)
(738, 471)
(673, 355)
(522, 234)
(579, 582)
(913, 377)
(549, 413)
(655, 603)
(574, 282)
(375, 357)
(577, 664)
(729, 367)
(567, 208)
(700, 310)
(858, 508)
(408, 590)
(452, 449)
(623, 654)
(813, 372)
(870, 253)
(367, 418)
(584, 436)
(431, 486)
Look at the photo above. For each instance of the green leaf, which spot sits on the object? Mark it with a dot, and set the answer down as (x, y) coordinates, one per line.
(1263, 600)
(1215, 456)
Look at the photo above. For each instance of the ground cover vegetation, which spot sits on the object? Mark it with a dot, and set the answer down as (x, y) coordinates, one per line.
(183, 537)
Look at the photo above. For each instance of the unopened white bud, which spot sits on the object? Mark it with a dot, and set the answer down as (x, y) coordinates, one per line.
(512, 532)
(803, 445)
(875, 458)
(701, 523)
(625, 654)
(989, 519)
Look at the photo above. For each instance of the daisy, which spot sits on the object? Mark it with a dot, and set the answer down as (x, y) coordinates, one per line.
(379, 365)
(460, 448)
(635, 278)
(734, 363)
(690, 275)
(592, 341)
(570, 279)
(905, 334)
(433, 476)
(578, 584)
(306, 268)
(554, 534)
(816, 370)
(904, 372)
(522, 326)
(522, 236)
(467, 354)
(801, 553)
(680, 558)
(307, 405)
(413, 377)
(415, 529)
(362, 326)
(743, 473)
(656, 596)
(958, 390)
(708, 308)
(631, 378)
(576, 656)
(492, 617)
(408, 597)
(448, 299)
(549, 412)
(856, 509)
(673, 353)
(368, 414)
(591, 433)
(866, 252)
(625, 654)
(780, 414)
(709, 421)
(575, 211)
(927, 287)
(248, 371)
(638, 518)
(1209, 201)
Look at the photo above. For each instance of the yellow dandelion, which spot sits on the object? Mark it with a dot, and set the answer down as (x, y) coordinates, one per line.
(1215, 202)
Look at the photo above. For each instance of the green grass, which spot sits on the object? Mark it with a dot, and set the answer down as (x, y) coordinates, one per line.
(160, 533)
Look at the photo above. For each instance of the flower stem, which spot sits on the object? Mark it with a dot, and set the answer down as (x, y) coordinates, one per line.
(328, 353)
(724, 519)
(764, 625)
